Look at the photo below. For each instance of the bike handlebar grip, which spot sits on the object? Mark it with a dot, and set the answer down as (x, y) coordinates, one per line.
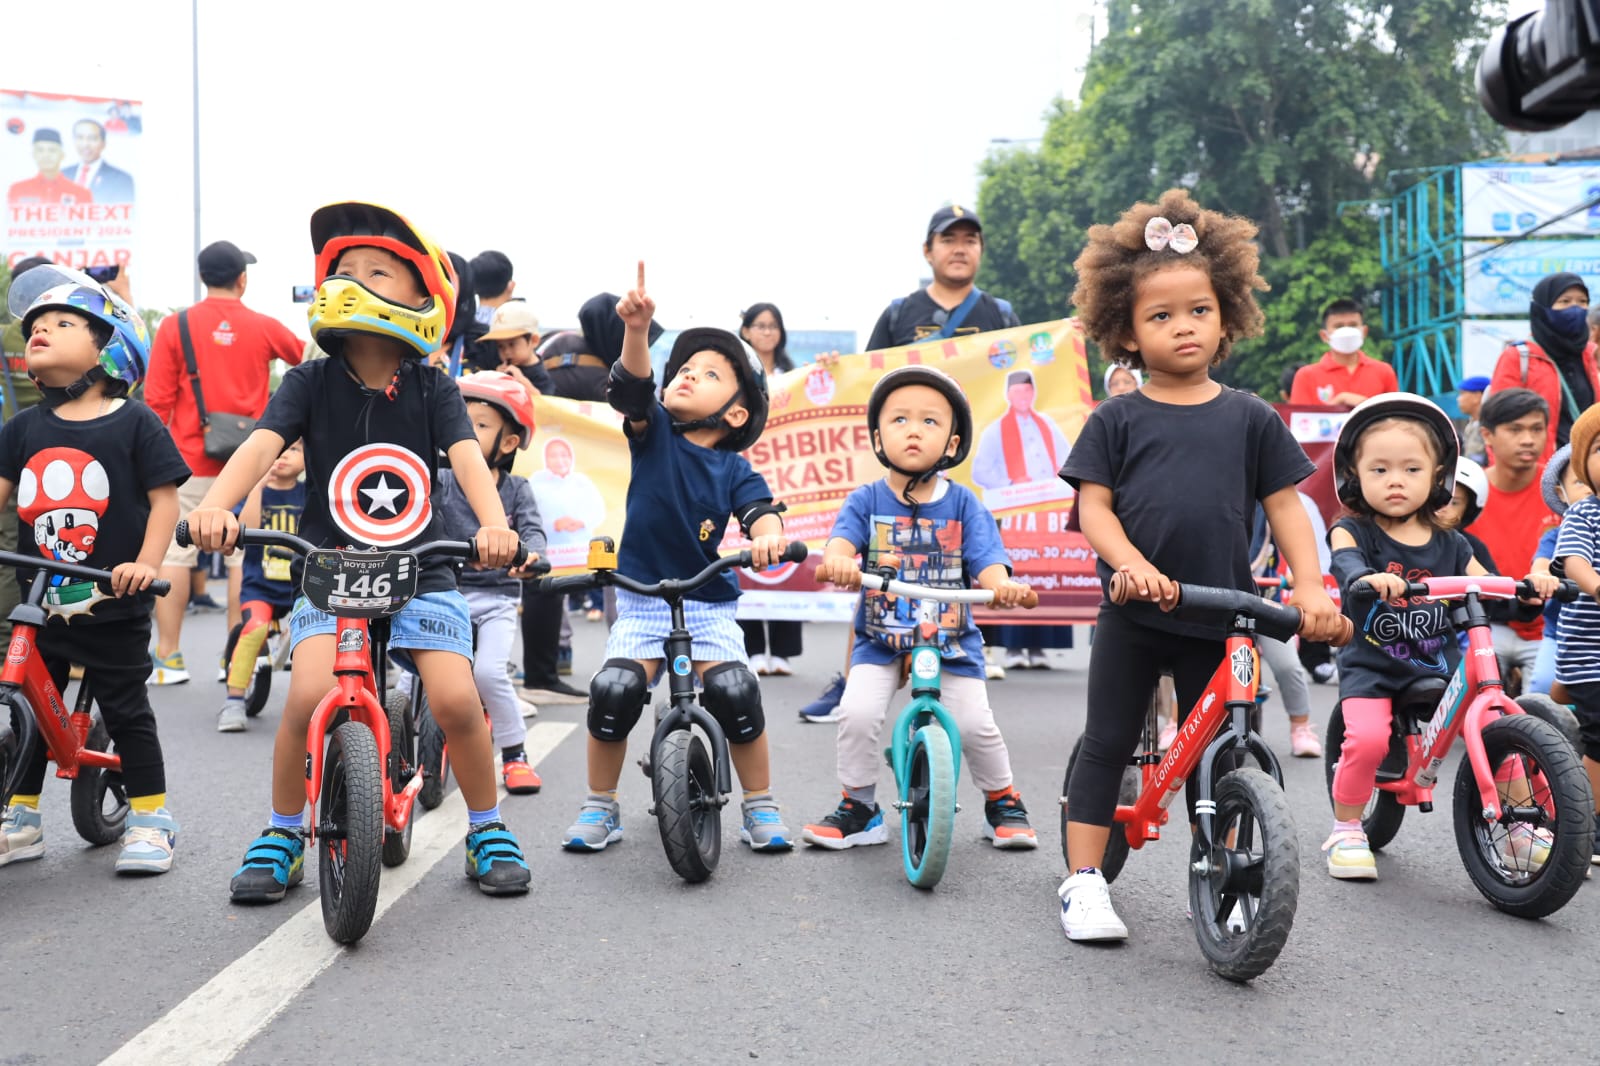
(182, 535)
(1029, 601)
(796, 552)
(159, 587)
(1347, 633)
(1568, 592)
(570, 583)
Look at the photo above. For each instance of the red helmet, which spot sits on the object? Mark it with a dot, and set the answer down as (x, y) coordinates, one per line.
(508, 395)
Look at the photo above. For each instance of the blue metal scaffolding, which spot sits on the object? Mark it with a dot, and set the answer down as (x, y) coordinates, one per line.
(1420, 244)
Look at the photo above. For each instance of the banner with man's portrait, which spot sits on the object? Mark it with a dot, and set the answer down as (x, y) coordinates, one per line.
(1030, 395)
(68, 166)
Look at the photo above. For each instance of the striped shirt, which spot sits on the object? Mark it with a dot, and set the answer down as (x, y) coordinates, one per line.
(1578, 639)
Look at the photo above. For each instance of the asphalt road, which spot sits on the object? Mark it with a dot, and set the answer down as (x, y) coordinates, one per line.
(809, 957)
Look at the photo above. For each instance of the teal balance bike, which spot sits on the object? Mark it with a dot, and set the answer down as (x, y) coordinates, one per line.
(925, 747)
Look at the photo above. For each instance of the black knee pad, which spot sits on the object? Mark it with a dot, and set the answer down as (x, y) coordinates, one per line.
(616, 699)
(733, 698)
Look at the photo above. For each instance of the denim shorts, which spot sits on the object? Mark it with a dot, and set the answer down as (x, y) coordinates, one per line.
(434, 621)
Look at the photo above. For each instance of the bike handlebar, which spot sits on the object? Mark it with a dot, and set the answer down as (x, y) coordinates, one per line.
(896, 587)
(452, 549)
(82, 573)
(794, 553)
(1276, 620)
(1485, 586)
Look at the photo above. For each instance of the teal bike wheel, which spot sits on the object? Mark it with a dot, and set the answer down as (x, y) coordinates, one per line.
(928, 811)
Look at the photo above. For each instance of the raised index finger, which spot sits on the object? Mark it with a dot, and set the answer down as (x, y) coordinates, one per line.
(641, 275)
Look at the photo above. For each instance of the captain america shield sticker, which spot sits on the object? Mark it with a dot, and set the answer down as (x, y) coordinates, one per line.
(378, 495)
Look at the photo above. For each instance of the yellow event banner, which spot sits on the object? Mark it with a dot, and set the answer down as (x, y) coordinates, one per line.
(1030, 394)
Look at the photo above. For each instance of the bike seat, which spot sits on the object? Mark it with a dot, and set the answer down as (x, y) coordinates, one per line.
(1421, 698)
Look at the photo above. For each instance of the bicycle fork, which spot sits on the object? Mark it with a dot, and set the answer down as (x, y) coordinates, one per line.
(684, 710)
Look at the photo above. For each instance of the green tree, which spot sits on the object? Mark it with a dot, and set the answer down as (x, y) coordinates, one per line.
(1277, 110)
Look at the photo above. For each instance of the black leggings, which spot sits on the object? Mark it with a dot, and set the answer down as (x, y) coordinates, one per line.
(541, 635)
(116, 661)
(780, 638)
(1125, 661)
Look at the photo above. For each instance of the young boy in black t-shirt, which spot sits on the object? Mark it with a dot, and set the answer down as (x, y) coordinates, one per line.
(687, 479)
(374, 416)
(97, 482)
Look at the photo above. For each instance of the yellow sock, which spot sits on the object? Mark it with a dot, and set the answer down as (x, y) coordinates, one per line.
(147, 804)
(30, 802)
(608, 793)
(751, 793)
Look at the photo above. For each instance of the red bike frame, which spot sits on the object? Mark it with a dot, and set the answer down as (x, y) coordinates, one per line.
(63, 734)
(1233, 685)
(355, 691)
(1478, 673)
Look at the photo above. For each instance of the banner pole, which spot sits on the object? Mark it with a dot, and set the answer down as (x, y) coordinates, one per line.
(194, 43)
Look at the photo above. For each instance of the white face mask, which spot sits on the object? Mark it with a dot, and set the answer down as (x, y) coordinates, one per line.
(1346, 339)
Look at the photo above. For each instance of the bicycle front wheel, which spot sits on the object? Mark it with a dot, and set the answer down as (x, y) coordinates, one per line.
(1531, 862)
(1243, 892)
(928, 806)
(350, 832)
(687, 810)
(99, 799)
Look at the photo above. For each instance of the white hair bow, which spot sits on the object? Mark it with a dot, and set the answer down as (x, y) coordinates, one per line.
(1159, 234)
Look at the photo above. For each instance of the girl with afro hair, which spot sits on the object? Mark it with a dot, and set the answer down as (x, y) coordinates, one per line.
(1167, 479)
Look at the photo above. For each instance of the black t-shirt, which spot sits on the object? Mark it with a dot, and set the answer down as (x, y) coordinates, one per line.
(372, 463)
(83, 497)
(918, 317)
(1184, 482)
(1394, 646)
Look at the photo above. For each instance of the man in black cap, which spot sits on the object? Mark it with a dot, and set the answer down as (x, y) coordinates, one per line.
(49, 186)
(952, 303)
(233, 348)
(493, 285)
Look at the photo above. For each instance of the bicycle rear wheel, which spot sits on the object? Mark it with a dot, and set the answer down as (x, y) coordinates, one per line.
(1243, 893)
(687, 811)
(99, 799)
(928, 806)
(402, 765)
(1116, 854)
(350, 832)
(431, 757)
(1383, 814)
(1532, 862)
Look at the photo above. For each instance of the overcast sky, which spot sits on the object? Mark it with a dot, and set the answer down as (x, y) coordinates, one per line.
(746, 151)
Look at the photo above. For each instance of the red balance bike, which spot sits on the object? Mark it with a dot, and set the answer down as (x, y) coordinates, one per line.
(363, 784)
(77, 742)
(1244, 855)
(1523, 810)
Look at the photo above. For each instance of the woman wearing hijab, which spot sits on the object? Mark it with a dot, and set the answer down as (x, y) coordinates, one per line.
(1558, 362)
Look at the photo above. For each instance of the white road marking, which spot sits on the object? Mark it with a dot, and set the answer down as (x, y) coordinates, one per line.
(218, 1019)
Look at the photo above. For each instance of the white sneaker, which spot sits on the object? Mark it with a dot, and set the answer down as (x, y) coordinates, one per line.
(758, 663)
(21, 834)
(778, 666)
(992, 670)
(1038, 660)
(528, 710)
(1086, 911)
(1016, 660)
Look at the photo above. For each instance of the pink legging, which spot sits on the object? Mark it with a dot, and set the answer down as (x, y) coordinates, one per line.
(1366, 742)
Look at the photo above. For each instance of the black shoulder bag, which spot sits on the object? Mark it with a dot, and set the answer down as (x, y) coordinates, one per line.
(222, 433)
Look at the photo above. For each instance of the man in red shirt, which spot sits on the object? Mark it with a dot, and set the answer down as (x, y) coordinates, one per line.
(233, 352)
(48, 186)
(1345, 375)
(1515, 422)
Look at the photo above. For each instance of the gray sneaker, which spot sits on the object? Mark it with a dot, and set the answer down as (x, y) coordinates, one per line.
(763, 827)
(21, 834)
(231, 719)
(599, 823)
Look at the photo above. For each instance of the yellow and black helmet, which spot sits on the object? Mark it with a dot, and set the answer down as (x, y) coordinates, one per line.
(343, 305)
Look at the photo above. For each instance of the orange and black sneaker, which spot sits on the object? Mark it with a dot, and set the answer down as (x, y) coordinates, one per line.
(1006, 821)
(520, 778)
(850, 824)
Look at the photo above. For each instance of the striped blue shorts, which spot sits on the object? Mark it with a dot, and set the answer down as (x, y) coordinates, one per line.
(643, 623)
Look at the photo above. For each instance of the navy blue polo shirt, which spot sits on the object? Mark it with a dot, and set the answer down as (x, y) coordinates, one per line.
(680, 498)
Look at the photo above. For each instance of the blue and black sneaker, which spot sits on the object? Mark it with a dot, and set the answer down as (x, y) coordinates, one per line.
(825, 708)
(274, 863)
(851, 824)
(495, 861)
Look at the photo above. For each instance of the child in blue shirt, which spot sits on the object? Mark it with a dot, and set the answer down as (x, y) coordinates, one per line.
(687, 479)
(267, 588)
(921, 424)
(1563, 488)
